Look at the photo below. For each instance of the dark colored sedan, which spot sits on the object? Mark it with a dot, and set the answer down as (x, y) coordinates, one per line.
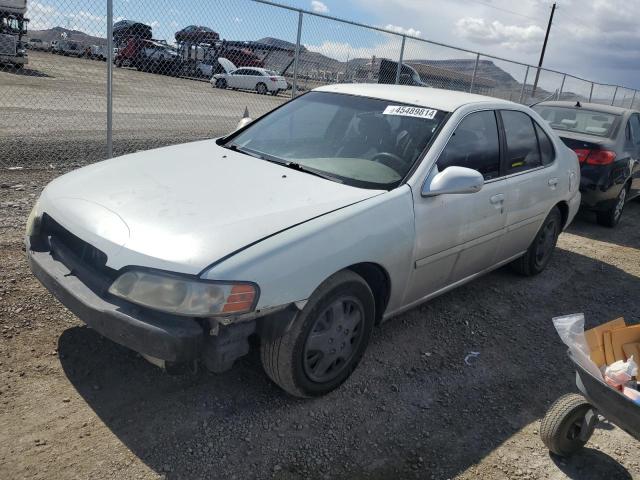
(607, 141)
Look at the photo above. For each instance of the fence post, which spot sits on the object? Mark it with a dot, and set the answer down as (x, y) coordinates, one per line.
(591, 92)
(524, 84)
(294, 87)
(399, 67)
(475, 70)
(562, 86)
(109, 78)
(615, 92)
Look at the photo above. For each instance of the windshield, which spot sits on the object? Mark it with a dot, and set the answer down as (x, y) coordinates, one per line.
(578, 120)
(359, 141)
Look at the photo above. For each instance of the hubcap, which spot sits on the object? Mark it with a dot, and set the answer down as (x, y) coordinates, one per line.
(620, 205)
(546, 242)
(333, 339)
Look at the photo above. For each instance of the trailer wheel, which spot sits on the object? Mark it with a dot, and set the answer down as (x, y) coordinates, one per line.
(568, 424)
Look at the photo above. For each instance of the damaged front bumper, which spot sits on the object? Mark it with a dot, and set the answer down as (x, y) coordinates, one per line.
(165, 340)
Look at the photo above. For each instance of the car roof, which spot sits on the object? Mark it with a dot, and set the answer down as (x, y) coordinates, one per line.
(596, 107)
(447, 100)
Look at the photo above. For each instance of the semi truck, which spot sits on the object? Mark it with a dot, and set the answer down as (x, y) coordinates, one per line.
(13, 27)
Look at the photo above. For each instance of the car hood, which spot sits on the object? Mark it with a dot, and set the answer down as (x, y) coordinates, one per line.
(184, 207)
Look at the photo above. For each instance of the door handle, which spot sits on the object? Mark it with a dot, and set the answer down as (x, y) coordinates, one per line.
(498, 198)
(553, 181)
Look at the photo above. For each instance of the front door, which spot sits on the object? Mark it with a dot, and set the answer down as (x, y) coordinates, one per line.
(457, 235)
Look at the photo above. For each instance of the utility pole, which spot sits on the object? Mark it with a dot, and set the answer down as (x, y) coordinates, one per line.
(544, 48)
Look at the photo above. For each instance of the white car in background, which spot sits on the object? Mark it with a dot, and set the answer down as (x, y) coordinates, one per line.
(249, 78)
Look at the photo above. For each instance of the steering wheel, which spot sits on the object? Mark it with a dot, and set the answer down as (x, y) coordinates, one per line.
(391, 160)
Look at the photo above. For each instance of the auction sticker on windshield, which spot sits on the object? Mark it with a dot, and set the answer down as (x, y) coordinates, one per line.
(405, 111)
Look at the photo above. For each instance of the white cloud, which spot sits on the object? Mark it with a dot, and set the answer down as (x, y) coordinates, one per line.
(319, 7)
(496, 33)
(405, 31)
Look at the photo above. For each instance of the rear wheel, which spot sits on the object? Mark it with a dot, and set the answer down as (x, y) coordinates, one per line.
(261, 88)
(611, 217)
(568, 424)
(327, 339)
(539, 252)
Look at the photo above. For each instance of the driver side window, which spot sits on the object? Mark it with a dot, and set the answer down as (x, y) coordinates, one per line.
(475, 144)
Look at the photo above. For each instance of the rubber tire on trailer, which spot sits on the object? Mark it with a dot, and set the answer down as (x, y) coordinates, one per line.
(283, 357)
(261, 88)
(555, 428)
(611, 217)
(529, 264)
(221, 83)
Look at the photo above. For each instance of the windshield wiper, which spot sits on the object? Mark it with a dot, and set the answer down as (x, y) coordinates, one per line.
(281, 161)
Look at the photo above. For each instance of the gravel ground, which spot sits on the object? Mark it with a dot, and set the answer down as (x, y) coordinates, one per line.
(74, 405)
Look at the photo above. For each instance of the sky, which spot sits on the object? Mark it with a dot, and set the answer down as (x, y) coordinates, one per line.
(594, 39)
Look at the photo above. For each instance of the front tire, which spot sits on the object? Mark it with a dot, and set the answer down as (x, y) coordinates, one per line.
(261, 88)
(611, 217)
(327, 339)
(539, 253)
(221, 83)
(561, 429)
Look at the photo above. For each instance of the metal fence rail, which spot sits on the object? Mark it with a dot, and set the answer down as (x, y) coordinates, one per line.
(95, 86)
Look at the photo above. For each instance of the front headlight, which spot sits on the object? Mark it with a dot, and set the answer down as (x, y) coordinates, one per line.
(184, 296)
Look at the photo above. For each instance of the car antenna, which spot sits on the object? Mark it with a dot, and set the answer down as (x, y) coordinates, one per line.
(544, 99)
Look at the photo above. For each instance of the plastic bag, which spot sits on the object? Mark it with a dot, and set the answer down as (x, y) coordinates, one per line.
(619, 373)
(571, 331)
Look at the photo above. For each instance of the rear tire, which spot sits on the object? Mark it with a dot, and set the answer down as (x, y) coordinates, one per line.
(611, 217)
(261, 88)
(560, 429)
(539, 253)
(327, 339)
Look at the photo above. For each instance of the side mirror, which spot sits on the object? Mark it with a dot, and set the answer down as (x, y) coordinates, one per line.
(243, 122)
(453, 180)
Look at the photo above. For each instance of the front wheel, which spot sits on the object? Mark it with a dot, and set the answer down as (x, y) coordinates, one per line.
(221, 83)
(568, 424)
(261, 88)
(610, 218)
(539, 253)
(327, 339)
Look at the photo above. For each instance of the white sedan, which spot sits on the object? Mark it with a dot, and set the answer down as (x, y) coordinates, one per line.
(251, 78)
(305, 228)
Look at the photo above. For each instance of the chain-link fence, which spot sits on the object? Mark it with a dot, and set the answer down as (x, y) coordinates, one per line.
(187, 70)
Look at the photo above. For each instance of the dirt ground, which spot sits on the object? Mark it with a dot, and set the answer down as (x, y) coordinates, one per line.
(74, 405)
(54, 110)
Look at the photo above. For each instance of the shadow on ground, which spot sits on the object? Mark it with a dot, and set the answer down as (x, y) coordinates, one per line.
(24, 71)
(625, 234)
(413, 409)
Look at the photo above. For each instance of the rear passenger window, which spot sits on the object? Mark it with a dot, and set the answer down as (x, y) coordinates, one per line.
(522, 143)
(474, 145)
(546, 146)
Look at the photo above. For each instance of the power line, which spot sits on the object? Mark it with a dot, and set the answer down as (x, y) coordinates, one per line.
(504, 10)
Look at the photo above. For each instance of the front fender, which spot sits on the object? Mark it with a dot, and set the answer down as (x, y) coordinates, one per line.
(289, 266)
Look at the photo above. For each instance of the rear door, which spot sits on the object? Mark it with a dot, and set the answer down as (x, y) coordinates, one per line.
(533, 179)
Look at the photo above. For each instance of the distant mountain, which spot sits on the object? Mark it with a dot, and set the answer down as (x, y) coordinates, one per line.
(59, 33)
(276, 42)
(486, 69)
